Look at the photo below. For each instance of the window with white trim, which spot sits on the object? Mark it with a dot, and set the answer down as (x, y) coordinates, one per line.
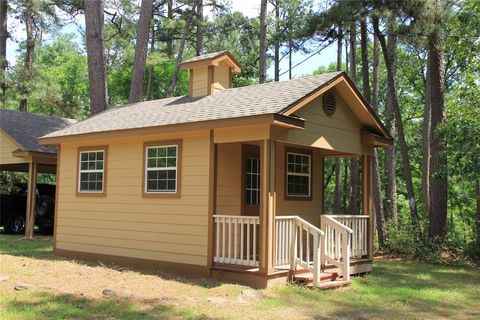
(91, 175)
(161, 169)
(298, 174)
(252, 183)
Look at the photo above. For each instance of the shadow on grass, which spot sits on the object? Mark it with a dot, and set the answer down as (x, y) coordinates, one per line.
(41, 248)
(47, 305)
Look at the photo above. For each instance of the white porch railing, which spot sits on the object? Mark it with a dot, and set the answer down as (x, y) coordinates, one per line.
(298, 242)
(359, 237)
(336, 244)
(236, 240)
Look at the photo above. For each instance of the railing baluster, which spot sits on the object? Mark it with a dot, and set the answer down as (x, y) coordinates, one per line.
(248, 243)
(254, 242)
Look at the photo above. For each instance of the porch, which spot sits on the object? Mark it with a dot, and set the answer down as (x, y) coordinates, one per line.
(267, 226)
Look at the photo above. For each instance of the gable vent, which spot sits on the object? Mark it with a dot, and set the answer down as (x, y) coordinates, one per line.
(329, 103)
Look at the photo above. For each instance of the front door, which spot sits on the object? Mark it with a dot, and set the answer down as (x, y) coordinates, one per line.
(250, 180)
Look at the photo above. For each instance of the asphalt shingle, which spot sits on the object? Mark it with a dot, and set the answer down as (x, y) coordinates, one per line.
(266, 98)
(26, 128)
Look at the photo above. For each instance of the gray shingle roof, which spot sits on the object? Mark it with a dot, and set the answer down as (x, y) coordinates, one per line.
(26, 128)
(267, 98)
(206, 56)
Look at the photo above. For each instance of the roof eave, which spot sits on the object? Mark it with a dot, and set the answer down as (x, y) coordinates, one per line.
(270, 118)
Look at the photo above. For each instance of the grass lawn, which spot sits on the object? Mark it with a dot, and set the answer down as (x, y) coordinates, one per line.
(65, 289)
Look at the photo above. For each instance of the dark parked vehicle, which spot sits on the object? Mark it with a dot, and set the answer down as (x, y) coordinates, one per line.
(13, 207)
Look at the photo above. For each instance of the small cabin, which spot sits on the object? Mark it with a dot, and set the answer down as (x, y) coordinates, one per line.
(224, 183)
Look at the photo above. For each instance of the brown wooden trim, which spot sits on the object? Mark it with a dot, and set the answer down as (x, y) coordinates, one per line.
(210, 79)
(367, 199)
(371, 139)
(212, 61)
(272, 118)
(322, 185)
(31, 200)
(295, 106)
(212, 198)
(178, 193)
(230, 75)
(341, 77)
(267, 206)
(138, 263)
(57, 188)
(190, 84)
(300, 151)
(252, 150)
(26, 153)
(231, 61)
(105, 169)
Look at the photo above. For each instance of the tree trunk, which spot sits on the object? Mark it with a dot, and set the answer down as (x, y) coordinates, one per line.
(262, 63)
(141, 48)
(170, 35)
(200, 28)
(377, 183)
(28, 62)
(478, 212)
(290, 59)
(345, 186)
(354, 172)
(152, 67)
(277, 41)
(426, 136)
(391, 82)
(338, 162)
(364, 55)
(391, 209)
(438, 214)
(3, 49)
(173, 84)
(94, 26)
(339, 48)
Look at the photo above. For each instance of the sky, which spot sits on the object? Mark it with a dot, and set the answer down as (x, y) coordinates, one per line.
(248, 7)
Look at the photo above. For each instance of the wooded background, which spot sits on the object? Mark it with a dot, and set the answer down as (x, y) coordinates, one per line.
(417, 62)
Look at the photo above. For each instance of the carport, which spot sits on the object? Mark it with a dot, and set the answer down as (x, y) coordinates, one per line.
(20, 151)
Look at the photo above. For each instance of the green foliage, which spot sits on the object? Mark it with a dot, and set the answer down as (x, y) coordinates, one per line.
(59, 83)
(240, 35)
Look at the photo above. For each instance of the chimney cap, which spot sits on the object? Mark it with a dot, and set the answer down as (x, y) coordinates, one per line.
(212, 59)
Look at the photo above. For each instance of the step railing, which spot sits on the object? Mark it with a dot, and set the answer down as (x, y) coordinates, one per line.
(298, 243)
(336, 248)
(236, 240)
(359, 237)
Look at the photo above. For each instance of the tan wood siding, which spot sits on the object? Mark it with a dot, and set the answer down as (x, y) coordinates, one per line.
(229, 177)
(339, 132)
(242, 134)
(309, 210)
(221, 77)
(126, 224)
(7, 146)
(200, 82)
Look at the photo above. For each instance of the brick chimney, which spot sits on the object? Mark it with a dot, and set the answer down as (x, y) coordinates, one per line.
(210, 73)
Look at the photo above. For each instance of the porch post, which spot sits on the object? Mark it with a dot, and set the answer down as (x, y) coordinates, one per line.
(212, 198)
(267, 206)
(367, 201)
(31, 198)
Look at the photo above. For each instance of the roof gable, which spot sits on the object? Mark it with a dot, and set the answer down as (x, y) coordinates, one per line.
(359, 107)
(25, 128)
(212, 59)
(273, 98)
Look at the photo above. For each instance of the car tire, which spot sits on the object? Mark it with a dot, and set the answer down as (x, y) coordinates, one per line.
(15, 224)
